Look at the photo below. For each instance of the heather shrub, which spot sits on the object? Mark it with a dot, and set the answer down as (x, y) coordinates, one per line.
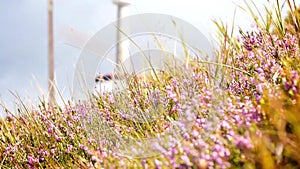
(243, 111)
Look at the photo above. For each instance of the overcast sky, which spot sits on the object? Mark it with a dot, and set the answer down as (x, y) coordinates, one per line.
(23, 32)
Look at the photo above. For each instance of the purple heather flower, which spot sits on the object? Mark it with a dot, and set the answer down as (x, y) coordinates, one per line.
(175, 82)
(219, 160)
(57, 138)
(244, 141)
(144, 163)
(157, 163)
(31, 160)
(53, 151)
(69, 148)
(186, 160)
(83, 147)
(195, 133)
(214, 155)
(44, 152)
(30, 166)
(252, 39)
(104, 154)
(71, 136)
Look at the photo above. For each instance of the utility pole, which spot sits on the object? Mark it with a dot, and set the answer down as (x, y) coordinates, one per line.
(50, 53)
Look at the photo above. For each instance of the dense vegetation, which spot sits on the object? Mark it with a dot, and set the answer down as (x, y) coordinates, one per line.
(244, 109)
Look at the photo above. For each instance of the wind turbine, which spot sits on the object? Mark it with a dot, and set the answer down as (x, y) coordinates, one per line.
(121, 45)
(78, 39)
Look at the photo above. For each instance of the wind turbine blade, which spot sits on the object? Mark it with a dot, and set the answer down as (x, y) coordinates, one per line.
(74, 38)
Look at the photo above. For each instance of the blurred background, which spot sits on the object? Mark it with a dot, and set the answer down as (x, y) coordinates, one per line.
(24, 36)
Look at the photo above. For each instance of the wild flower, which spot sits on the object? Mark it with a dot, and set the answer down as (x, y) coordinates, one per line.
(32, 160)
(252, 121)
